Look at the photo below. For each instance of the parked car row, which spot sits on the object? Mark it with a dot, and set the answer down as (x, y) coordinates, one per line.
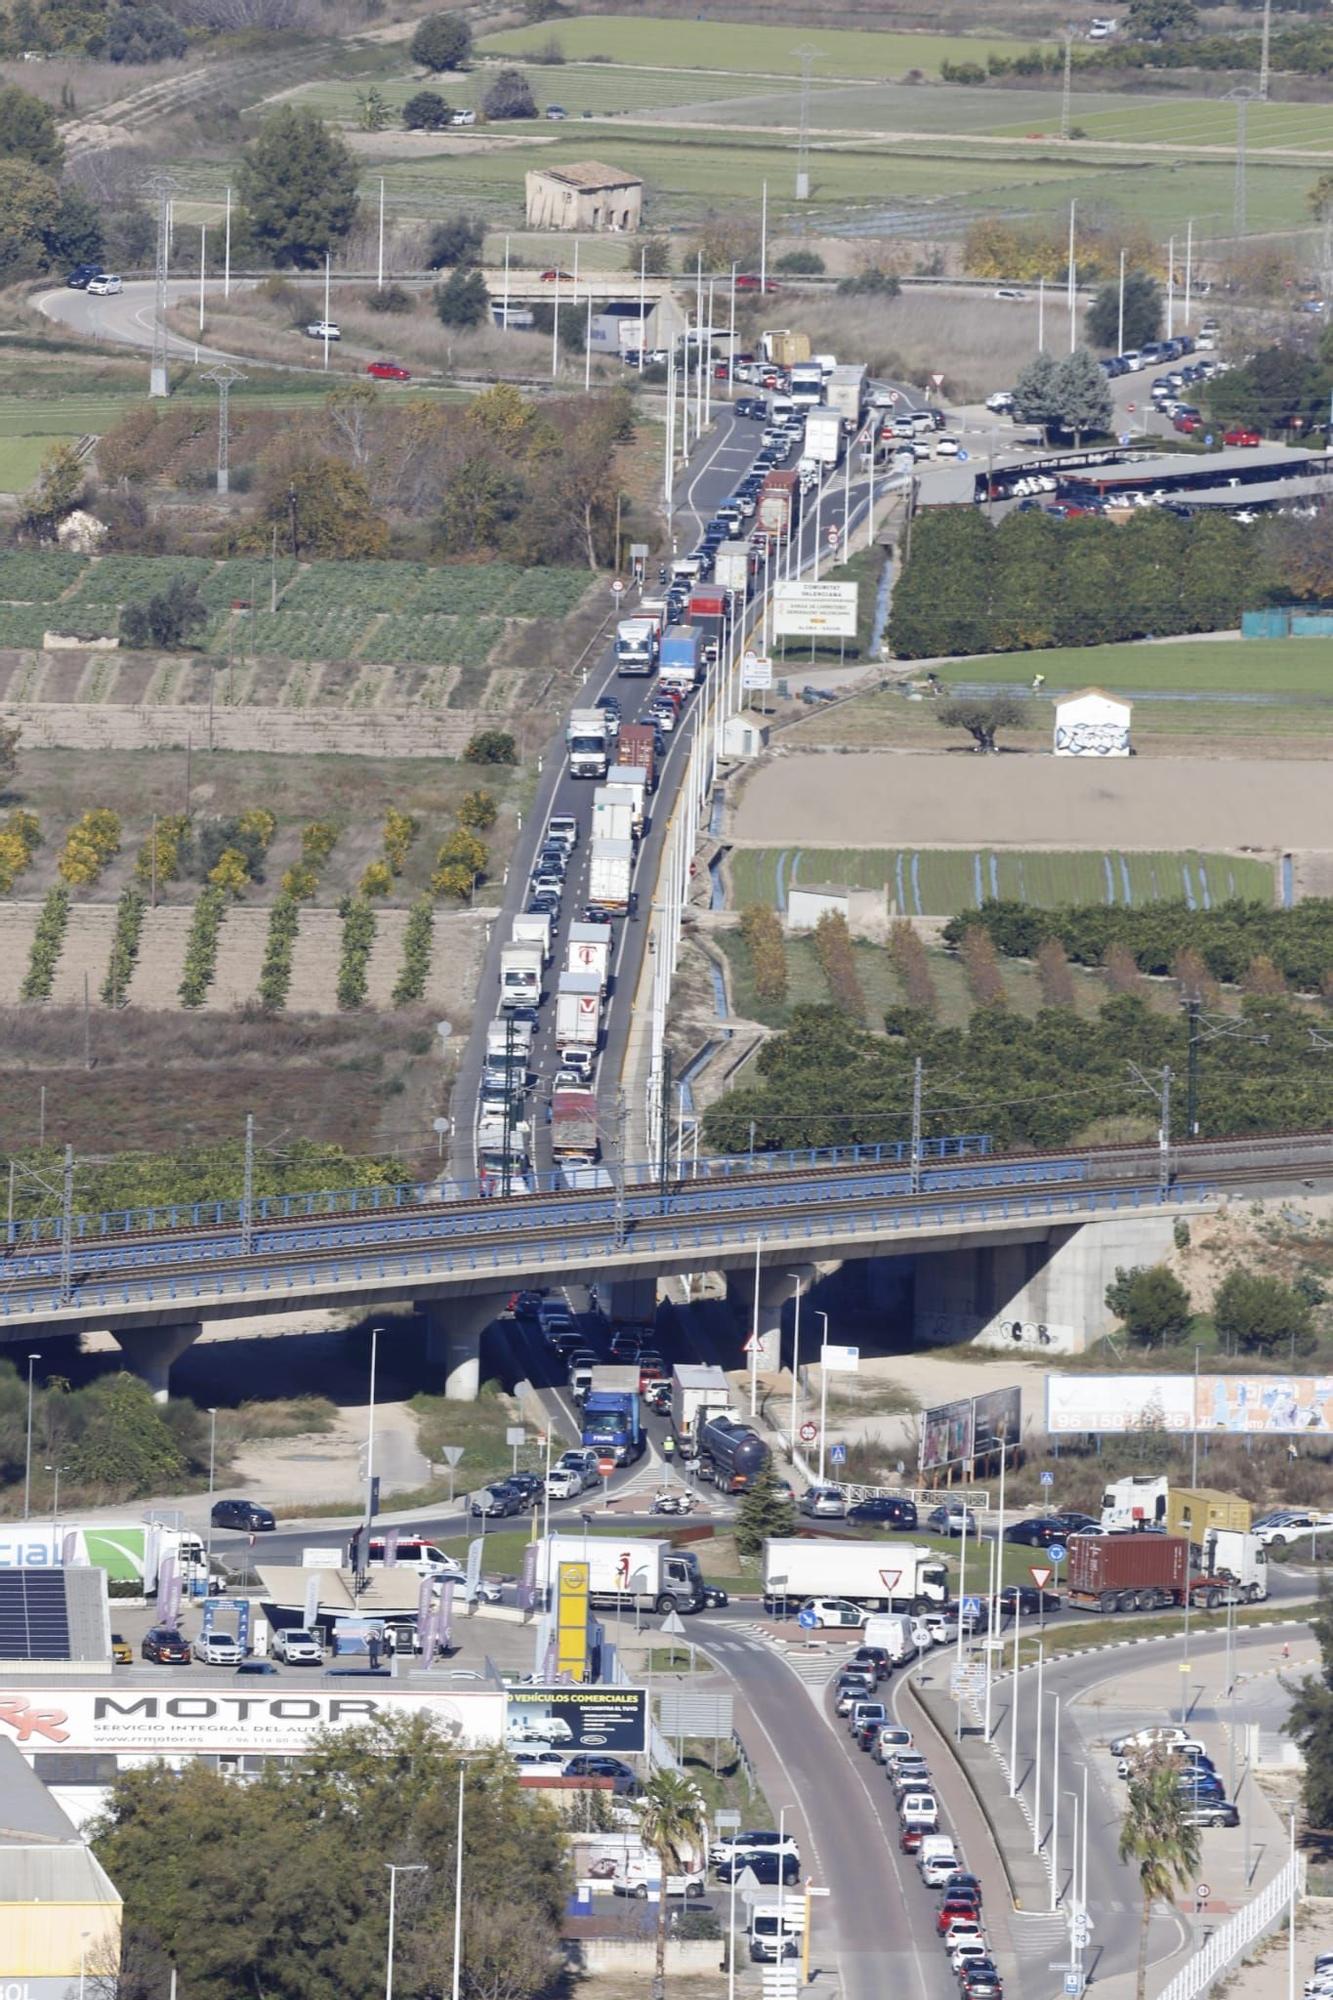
(1201, 1790)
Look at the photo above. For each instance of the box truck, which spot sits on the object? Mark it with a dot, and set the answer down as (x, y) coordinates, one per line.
(697, 1393)
(586, 741)
(637, 749)
(636, 645)
(632, 780)
(614, 813)
(612, 1422)
(133, 1553)
(731, 567)
(574, 1125)
(882, 1576)
(680, 662)
(823, 437)
(509, 1041)
(626, 1570)
(1137, 1573)
(503, 1151)
(712, 601)
(534, 929)
(520, 975)
(589, 950)
(846, 393)
(610, 866)
(578, 1011)
(807, 383)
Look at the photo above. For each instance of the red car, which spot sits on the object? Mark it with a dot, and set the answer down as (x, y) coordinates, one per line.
(388, 371)
(1187, 424)
(1241, 437)
(910, 1839)
(957, 1906)
(750, 281)
(549, 277)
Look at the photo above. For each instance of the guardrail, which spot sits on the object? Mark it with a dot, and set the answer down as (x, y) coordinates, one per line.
(1228, 1943)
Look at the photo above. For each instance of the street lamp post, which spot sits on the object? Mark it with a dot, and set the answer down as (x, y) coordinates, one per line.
(27, 1464)
(458, 1888)
(375, 1332)
(212, 1463)
(823, 1396)
(396, 1868)
(795, 1276)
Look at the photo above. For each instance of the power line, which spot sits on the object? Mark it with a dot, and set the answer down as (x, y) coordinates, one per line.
(163, 187)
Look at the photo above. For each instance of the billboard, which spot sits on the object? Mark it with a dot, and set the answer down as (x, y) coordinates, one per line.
(571, 1620)
(946, 1434)
(212, 1720)
(1239, 1405)
(997, 1418)
(815, 610)
(583, 1718)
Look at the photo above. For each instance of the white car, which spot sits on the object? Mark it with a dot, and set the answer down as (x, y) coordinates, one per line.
(1291, 1527)
(463, 118)
(539, 1728)
(105, 285)
(563, 1483)
(323, 329)
(217, 1649)
(833, 1611)
(298, 1648)
(1008, 292)
(968, 1948)
(534, 1762)
(1165, 1734)
(946, 445)
(1000, 399)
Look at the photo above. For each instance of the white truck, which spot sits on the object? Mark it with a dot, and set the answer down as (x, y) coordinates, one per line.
(632, 781)
(586, 739)
(578, 1011)
(880, 1576)
(1243, 1556)
(847, 393)
(731, 567)
(520, 975)
(696, 1394)
(614, 813)
(626, 1570)
(823, 437)
(589, 950)
(503, 1153)
(1131, 1503)
(533, 929)
(130, 1554)
(807, 383)
(636, 645)
(610, 866)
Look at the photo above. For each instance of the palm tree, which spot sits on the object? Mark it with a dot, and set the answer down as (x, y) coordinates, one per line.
(670, 1822)
(1159, 1839)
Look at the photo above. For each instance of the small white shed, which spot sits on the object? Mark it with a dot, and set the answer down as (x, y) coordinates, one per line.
(1092, 723)
(742, 736)
(806, 906)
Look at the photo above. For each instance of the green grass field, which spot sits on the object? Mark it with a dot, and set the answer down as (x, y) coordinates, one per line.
(1170, 120)
(941, 881)
(1219, 666)
(725, 45)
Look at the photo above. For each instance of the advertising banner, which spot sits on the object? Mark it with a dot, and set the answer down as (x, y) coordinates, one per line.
(815, 610)
(997, 1418)
(166, 1725)
(571, 1619)
(946, 1435)
(586, 1718)
(1236, 1405)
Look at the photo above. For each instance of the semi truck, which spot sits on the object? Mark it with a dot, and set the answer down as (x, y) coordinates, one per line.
(697, 1393)
(636, 645)
(823, 437)
(807, 383)
(712, 601)
(881, 1576)
(730, 1454)
(578, 1011)
(1135, 1502)
(503, 1153)
(632, 780)
(133, 1553)
(783, 347)
(509, 1042)
(520, 975)
(626, 1571)
(1240, 1556)
(574, 1125)
(1138, 1573)
(731, 567)
(589, 950)
(775, 513)
(586, 742)
(680, 662)
(614, 813)
(610, 867)
(612, 1420)
(1192, 1510)
(846, 393)
(533, 929)
(636, 747)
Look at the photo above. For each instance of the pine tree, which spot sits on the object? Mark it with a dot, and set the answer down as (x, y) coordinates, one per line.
(1082, 396)
(766, 1512)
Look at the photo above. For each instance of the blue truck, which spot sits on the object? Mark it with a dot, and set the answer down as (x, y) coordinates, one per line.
(680, 663)
(611, 1419)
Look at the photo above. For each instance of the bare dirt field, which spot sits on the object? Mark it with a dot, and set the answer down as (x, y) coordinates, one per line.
(958, 798)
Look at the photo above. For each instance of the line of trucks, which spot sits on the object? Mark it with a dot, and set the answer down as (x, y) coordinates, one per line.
(722, 1449)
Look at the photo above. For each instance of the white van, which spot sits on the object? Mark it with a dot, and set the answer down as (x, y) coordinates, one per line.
(920, 1809)
(775, 1930)
(900, 1636)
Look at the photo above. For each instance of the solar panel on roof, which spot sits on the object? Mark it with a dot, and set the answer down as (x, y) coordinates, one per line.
(34, 1618)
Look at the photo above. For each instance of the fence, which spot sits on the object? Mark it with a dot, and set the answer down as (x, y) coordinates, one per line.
(1227, 1944)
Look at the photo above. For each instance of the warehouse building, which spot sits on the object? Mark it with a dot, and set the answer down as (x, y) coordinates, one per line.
(59, 1910)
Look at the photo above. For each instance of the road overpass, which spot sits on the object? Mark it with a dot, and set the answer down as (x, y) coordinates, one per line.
(998, 1242)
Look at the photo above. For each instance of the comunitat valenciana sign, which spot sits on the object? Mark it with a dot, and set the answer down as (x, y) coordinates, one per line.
(815, 610)
(169, 1724)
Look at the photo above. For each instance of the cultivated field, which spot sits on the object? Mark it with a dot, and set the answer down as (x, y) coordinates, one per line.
(1116, 805)
(942, 881)
(1257, 667)
(726, 45)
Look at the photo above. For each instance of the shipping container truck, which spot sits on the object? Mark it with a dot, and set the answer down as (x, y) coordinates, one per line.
(636, 747)
(731, 567)
(1136, 1573)
(1192, 1510)
(880, 1575)
(846, 393)
(586, 741)
(589, 950)
(574, 1125)
(610, 869)
(535, 929)
(780, 345)
(636, 645)
(697, 1393)
(680, 662)
(730, 1454)
(1242, 1557)
(626, 1570)
(823, 436)
(612, 1421)
(615, 813)
(520, 975)
(711, 602)
(578, 1011)
(775, 513)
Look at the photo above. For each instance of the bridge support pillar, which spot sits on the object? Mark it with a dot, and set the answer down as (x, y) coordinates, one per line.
(454, 1330)
(1047, 1295)
(777, 1289)
(151, 1350)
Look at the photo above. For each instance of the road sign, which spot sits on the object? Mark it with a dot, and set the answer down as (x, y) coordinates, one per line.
(617, 587)
(1040, 1575)
(806, 1620)
(515, 1434)
(1074, 1984)
(937, 379)
(1125, 437)
(1203, 1892)
(971, 1607)
(809, 1432)
(672, 1626)
(833, 535)
(451, 1453)
(1209, 439)
(726, 1819)
(962, 456)
(1048, 1479)
(605, 1467)
(838, 1454)
(1057, 1552)
(747, 1885)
